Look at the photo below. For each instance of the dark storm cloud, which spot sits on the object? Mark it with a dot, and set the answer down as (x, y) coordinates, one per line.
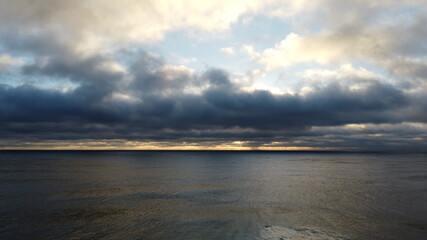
(331, 105)
(152, 77)
(215, 113)
(29, 104)
(154, 101)
(217, 78)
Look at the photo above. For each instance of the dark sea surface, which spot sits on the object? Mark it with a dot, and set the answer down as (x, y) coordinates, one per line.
(212, 195)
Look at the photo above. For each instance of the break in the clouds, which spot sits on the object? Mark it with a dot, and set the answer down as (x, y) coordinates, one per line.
(277, 74)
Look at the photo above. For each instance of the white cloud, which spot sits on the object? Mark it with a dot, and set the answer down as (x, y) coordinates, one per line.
(227, 50)
(376, 44)
(250, 50)
(343, 72)
(93, 21)
(186, 61)
(346, 76)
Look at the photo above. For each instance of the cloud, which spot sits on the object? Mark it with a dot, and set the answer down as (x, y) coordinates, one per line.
(7, 61)
(125, 96)
(343, 46)
(154, 105)
(151, 75)
(92, 23)
(351, 32)
(227, 50)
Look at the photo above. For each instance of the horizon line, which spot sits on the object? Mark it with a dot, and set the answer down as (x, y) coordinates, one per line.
(213, 150)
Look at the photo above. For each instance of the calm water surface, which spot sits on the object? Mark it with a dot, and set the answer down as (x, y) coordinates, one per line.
(212, 195)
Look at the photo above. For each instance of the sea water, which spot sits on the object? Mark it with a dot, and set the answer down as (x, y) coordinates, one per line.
(212, 195)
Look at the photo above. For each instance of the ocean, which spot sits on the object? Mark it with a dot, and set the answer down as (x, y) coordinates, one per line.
(212, 195)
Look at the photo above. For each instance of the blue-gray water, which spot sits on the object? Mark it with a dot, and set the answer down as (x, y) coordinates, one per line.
(212, 195)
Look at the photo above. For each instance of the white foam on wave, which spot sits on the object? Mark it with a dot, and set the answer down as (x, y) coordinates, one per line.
(288, 233)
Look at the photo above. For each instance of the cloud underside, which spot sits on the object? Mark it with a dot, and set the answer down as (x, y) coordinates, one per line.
(152, 102)
(115, 95)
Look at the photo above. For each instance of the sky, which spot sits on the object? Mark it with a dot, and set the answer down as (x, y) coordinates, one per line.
(213, 74)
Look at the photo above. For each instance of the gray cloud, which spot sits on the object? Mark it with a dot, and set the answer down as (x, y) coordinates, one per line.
(220, 112)
(140, 97)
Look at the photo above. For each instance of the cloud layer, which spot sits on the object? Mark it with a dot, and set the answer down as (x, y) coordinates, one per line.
(103, 89)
